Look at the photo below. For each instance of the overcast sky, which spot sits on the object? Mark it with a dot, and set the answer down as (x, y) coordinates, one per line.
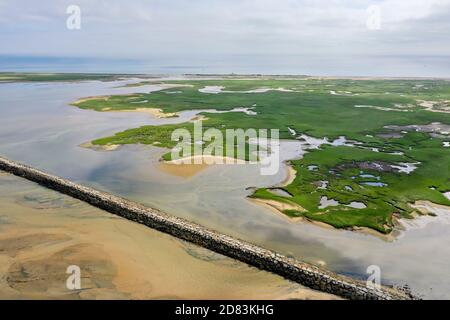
(312, 29)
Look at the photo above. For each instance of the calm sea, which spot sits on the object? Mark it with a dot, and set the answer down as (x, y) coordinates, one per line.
(392, 66)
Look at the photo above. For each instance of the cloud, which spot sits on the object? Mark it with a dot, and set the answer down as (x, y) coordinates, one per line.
(139, 28)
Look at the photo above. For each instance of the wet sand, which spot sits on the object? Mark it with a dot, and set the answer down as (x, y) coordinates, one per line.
(290, 175)
(182, 170)
(154, 112)
(190, 166)
(106, 147)
(279, 207)
(43, 232)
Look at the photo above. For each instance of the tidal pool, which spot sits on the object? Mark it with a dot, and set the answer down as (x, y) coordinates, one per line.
(280, 192)
(325, 203)
(38, 127)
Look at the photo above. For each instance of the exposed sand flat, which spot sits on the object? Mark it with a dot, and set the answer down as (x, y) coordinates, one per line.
(290, 176)
(404, 106)
(382, 108)
(428, 207)
(43, 232)
(206, 159)
(199, 118)
(435, 106)
(426, 212)
(190, 166)
(182, 170)
(79, 101)
(8, 78)
(155, 112)
(273, 206)
(385, 237)
(106, 147)
(279, 206)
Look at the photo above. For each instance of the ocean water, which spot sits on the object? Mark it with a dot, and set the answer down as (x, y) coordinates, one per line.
(357, 65)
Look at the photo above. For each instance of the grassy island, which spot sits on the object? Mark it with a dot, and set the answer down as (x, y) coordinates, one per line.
(400, 129)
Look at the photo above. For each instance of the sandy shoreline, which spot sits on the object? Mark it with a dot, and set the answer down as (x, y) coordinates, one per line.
(190, 166)
(155, 112)
(43, 232)
(290, 175)
(423, 208)
(279, 207)
(181, 170)
(105, 147)
(207, 160)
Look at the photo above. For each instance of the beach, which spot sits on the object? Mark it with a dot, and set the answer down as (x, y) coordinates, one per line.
(43, 232)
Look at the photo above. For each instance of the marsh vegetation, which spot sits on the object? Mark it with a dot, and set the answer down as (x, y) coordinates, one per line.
(370, 171)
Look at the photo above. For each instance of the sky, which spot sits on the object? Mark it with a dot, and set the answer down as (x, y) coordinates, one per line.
(392, 37)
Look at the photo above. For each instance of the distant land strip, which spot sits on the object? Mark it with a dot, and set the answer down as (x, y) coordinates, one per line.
(303, 273)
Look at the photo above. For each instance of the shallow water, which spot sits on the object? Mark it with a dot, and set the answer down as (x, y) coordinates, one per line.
(280, 192)
(435, 127)
(219, 89)
(43, 232)
(325, 203)
(374, 184)
(38, 127)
